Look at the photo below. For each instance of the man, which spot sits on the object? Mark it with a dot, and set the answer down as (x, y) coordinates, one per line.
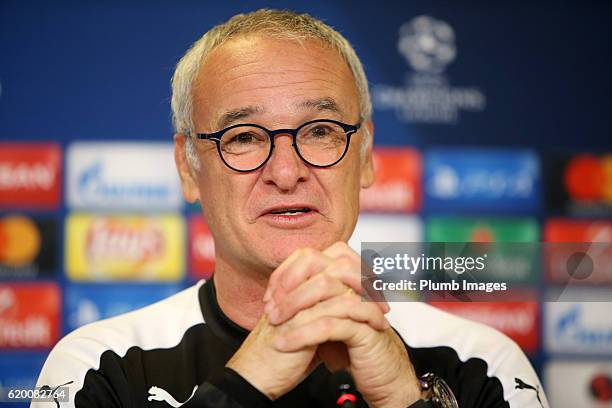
(274, 137)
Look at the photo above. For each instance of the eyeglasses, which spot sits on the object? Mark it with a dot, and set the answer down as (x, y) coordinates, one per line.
(247, 147)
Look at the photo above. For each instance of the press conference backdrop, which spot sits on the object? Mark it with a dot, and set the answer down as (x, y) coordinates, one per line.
(492, 123)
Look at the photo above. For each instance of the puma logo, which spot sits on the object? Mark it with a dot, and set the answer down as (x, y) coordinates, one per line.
(159, 394)
(522, 385)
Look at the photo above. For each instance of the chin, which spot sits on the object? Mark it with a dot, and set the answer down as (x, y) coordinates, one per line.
(282, 247)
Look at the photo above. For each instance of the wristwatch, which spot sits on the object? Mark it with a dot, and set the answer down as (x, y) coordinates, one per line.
(437, 392)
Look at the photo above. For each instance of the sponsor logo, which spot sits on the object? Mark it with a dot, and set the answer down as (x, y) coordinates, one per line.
(201, 248)
(29, 315)
(397, 184)
(86, 303)
(30, 175)
(572, 383)
(386, 228)
(594, 266)
(522, 385)
(511, 263)
(588, 178)
(475, 180)
(578, 327)
(428, 45)
(601, 387)
(27, 246)
(580, 184)
(122, 176)
(159, 394)
(518, 320)
(102, 247)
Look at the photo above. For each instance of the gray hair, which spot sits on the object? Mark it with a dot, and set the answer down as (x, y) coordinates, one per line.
(279, 24)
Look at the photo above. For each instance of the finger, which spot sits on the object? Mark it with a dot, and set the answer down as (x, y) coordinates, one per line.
(347, 305)
(306, 263)
(352, 333)
(341, 249)
(278, 271)
(332, 281)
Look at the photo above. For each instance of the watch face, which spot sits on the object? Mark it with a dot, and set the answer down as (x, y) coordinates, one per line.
(442, 395)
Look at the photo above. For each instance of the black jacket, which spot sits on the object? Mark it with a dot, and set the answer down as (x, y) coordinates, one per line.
(175, 351)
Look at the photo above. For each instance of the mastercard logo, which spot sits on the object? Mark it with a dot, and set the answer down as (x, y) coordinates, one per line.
(19, 240)
(589, 178)
(482, 233)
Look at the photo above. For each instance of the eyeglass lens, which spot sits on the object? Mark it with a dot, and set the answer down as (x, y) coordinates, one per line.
(247, 147)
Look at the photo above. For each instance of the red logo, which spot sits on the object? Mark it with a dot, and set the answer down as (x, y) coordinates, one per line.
(573, 230)
(588, 178)
(567, 260)
(201, 248)
(29, 315)
(30, 175)
(517, 320)
(397, 185)
(601, 387)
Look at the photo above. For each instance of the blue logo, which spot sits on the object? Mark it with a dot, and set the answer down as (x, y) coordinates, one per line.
(93, 184)
(474, 180)
(90, 302)
(571, 328)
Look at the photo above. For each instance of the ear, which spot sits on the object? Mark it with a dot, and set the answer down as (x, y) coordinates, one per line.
(188, 181)
(367, 165)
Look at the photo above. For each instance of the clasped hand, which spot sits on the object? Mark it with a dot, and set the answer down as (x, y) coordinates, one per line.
(313, 314)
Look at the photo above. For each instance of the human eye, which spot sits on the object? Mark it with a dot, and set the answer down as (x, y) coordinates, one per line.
(243, 138)
(322, 134)
(243, 141)
(320, 131)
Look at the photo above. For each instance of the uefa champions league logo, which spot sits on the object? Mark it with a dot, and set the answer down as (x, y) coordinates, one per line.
(427, 44)
(427, 95)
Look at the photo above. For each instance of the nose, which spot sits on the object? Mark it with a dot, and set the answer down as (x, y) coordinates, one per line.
(284, 169)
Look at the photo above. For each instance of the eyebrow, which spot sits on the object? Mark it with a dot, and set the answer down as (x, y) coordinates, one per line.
(235, 115)
(322, 105)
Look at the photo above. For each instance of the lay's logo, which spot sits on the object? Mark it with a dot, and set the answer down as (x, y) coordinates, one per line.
(124, 247)
(110, 238)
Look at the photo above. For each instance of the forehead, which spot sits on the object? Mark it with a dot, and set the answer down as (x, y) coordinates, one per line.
(277, 76)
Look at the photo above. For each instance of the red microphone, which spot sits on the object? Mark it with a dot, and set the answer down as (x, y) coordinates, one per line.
(343, 387)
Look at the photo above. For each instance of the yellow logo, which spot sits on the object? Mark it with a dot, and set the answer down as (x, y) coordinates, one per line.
(116, 247)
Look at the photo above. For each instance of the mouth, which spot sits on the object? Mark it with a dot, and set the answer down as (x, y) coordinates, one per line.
(291, 211)
(290, 216)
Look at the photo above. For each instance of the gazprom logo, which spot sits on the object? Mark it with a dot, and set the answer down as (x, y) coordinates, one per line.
(132, 176)
(579, 327)
(92, 183)
(472, 179)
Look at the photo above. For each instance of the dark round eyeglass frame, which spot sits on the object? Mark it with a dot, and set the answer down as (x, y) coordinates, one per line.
(216, 137)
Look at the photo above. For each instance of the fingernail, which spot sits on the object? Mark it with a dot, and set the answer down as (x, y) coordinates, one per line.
(268, 307)
(267, 295)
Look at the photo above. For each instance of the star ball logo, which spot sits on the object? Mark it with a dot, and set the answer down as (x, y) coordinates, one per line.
(427, 96)
(427, 44)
